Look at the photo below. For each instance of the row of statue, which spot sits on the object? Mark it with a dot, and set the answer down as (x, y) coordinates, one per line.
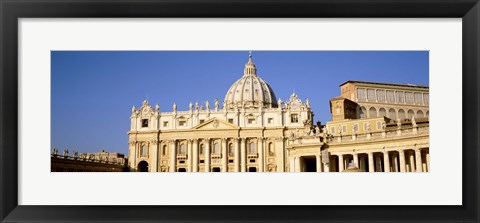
(216, 105)
(75, 154)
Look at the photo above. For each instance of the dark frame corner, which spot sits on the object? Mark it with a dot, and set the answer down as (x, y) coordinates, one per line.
(11, 11)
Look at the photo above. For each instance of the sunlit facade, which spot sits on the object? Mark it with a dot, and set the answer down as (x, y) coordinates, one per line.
(253, 131)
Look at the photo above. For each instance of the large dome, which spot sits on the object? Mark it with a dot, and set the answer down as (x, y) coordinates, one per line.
(250, 91)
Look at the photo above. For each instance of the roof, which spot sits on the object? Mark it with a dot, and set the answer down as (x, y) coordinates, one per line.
(388, 84)
(337, 98)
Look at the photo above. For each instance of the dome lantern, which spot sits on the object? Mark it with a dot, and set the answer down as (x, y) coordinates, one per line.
(250, 68)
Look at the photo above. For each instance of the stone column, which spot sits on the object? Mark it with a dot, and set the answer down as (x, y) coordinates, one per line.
(297, 164)
(319, 163)
(189, 155)
(195, 155)
(427, 159)
(341, 164)
(402, 160)
(173, 156)
(394, 162)
(132, 155)
(155, 157)
(236, 162)
(243, 155)
(208, 157)
(418, 160)
(260, 154)
(280, 154)
(371, 165)
(292, 164)
(386, 161)
(355, 160)
(412, 161)
(224, 155)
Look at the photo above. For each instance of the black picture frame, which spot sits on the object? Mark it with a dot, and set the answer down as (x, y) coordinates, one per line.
(11, 11)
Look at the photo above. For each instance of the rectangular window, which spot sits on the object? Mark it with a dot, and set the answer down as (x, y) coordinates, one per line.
(344, 129)
(361, 95)
(270, 120)
(230, 120)
(144, 123)
(182, 123)
(371, 94)
(390, 97)
(202, 161)
(294, 118)
(409, 97)
(202, 121)
(381, 95)
(425, 99)
(251, 121)
(418, 98)
(165, 124)
(400, 96)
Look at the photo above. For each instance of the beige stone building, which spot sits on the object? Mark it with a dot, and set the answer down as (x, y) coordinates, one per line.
(374, 141)
(375, 127)
(395, 101)
(246, 133)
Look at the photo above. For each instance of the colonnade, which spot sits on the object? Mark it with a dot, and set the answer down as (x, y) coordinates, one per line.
(400, 160)
(199, 153)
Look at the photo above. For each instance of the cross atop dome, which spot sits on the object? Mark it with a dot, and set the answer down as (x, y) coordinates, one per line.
(250, 69)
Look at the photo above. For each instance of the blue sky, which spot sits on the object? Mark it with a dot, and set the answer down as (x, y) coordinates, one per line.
(93, 91)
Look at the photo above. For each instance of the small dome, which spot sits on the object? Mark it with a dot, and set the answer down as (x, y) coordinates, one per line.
(250, 90)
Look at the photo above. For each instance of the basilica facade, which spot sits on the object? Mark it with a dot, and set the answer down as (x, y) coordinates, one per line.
(246, 133)
(253, 131)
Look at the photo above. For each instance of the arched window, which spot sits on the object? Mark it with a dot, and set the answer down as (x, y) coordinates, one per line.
(271, 149)
(202, 149)
(183, 149)
(372, 112)
(231, 150)
(382, 112)
(251, 148)
(216, 148)
(401, 114)
(164, 150)
(419, 114)
(143, 150)
(392, 114)
(363, 112)
(410, 114)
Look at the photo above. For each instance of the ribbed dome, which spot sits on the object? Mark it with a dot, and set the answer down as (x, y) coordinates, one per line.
(250, 91)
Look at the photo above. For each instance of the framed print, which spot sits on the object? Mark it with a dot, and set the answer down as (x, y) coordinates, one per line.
(166, 87)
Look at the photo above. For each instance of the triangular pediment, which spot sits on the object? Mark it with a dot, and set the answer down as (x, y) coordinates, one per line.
(216, 123)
